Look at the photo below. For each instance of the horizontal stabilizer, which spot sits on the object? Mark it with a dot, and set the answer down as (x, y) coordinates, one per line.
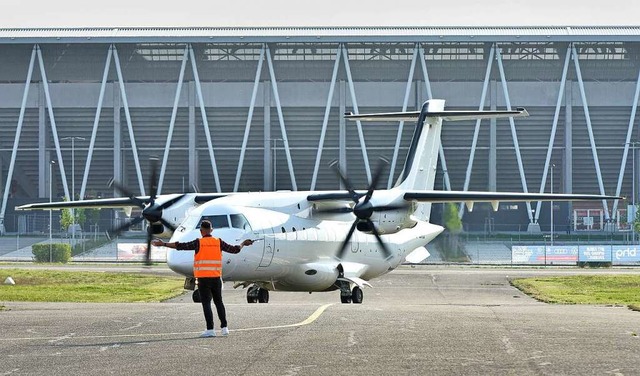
(445, 115)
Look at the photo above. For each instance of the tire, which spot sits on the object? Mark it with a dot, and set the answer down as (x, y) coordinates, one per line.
(263, 296)
(345, 299)
(357, 295)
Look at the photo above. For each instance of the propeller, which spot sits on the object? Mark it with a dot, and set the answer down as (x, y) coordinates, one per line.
(151, 211)
(363, 210)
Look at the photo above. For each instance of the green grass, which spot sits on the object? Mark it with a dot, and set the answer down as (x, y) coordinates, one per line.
(93, 287)
(623, 289)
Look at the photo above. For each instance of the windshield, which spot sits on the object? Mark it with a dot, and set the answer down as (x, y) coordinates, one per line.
(217, 221)
(239, 221)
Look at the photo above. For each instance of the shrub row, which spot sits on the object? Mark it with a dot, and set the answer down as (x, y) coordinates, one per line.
(56, 252)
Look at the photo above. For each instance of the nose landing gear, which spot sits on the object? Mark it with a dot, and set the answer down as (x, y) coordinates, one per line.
(348, 295)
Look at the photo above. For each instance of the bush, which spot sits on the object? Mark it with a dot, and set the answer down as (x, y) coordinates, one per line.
(60, 252)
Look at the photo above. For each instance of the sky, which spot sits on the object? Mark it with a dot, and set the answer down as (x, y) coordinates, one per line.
(255, 13)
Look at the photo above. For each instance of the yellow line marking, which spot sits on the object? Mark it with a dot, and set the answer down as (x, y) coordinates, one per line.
(314, 316)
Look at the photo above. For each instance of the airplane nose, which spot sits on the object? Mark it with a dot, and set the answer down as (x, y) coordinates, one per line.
(180, 262)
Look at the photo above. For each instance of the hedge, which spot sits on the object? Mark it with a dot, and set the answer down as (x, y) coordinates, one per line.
(60, 252)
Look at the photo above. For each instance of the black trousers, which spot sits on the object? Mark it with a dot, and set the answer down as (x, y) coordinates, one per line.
(211, 288)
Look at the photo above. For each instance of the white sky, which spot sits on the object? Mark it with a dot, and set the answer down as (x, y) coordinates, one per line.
(253, 13)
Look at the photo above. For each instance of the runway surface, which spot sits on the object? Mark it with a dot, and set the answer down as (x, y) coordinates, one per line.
(415, 321)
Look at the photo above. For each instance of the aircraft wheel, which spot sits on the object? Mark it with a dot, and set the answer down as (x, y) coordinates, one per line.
(357, 295)
(196, 296)
(345, 299)
(252, 296)
(263, 296)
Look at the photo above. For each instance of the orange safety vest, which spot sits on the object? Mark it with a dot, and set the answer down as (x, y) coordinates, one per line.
(207, 262)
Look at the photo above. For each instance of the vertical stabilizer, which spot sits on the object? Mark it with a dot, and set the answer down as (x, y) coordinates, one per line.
(419, 171)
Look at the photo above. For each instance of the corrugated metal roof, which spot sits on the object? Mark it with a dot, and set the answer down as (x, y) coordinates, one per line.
(270, 34)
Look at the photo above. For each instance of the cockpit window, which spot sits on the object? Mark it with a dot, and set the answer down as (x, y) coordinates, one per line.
(217, 221)
(239, 221)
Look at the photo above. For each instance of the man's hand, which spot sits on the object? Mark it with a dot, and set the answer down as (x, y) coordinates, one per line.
(247, 242)
(157, 242)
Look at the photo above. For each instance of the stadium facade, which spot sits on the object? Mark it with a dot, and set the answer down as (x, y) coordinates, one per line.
(254, 109)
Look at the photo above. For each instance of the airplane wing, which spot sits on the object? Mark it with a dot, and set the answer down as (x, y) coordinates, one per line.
(116, 202)
(469, 197)
(457, 196)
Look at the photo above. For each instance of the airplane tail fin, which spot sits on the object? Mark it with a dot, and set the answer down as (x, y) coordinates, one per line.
(419, 170)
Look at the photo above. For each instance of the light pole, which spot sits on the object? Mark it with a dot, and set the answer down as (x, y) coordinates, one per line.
(552, 166)
(633, 193)
(73, 184)
(51, 163)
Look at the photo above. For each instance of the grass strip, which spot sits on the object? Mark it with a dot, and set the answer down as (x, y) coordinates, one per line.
(33, 285)
(619, 289)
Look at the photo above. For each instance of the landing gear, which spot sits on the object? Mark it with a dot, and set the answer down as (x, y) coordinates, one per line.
(257, 294)
(350, 296)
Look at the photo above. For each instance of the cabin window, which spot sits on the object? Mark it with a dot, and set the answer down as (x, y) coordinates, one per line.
(217, 221)
(239, 221)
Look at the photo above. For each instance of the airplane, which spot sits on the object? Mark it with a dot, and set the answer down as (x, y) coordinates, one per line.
(315, 241)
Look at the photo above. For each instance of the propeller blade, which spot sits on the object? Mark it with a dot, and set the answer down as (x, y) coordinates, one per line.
(125, 192)
(385, 249)
(147, 255)
(153, 183)
(343, 247)
(374, 181)
(118, 230)
(346, 182)
(167, 224)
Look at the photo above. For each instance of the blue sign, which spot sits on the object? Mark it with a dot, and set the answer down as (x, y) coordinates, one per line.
(594, 253)
(625, 254)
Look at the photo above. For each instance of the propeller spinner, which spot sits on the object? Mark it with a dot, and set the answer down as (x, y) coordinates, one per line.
(151, 211)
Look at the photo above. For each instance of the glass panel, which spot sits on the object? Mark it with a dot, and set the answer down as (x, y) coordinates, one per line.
(239, 221)
(217, 221)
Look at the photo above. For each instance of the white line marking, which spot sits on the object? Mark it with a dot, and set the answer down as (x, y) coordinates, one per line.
(314, 316)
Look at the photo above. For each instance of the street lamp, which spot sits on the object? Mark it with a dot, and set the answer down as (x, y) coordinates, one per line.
(51, 163)
(73, 184)
(552, 166)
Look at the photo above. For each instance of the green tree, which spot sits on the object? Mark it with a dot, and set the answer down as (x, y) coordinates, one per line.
(636, 222)
(452, 221)
(66, 220)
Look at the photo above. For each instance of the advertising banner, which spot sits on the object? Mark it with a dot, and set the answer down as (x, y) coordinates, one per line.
(598, 253)
(625, 254)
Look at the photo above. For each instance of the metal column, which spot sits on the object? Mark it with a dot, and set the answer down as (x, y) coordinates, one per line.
(325, 121)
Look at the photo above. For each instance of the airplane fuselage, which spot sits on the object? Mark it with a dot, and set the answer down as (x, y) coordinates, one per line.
(296, 245)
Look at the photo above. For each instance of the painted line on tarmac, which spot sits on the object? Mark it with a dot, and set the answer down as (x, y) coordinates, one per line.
(314, 316)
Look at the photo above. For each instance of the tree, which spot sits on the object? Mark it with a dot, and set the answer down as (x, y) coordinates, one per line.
(66, 220)
(452, 221)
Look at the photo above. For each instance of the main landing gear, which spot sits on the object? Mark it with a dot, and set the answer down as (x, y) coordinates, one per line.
(348, 295)
(256, 294)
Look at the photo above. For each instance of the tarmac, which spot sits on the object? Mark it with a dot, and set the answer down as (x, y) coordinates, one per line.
(423, 320)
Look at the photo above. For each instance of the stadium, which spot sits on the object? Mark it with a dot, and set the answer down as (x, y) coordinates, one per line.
(259, 108)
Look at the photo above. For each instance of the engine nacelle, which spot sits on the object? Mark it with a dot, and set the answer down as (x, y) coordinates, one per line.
(309, 277)
(388, 222)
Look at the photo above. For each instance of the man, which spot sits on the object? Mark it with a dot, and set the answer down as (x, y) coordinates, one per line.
(207, 268)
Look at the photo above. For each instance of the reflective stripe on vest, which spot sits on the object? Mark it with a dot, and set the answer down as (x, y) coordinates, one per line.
(207, 262)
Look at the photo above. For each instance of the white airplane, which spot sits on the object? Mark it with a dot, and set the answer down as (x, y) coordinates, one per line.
(317, 240)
